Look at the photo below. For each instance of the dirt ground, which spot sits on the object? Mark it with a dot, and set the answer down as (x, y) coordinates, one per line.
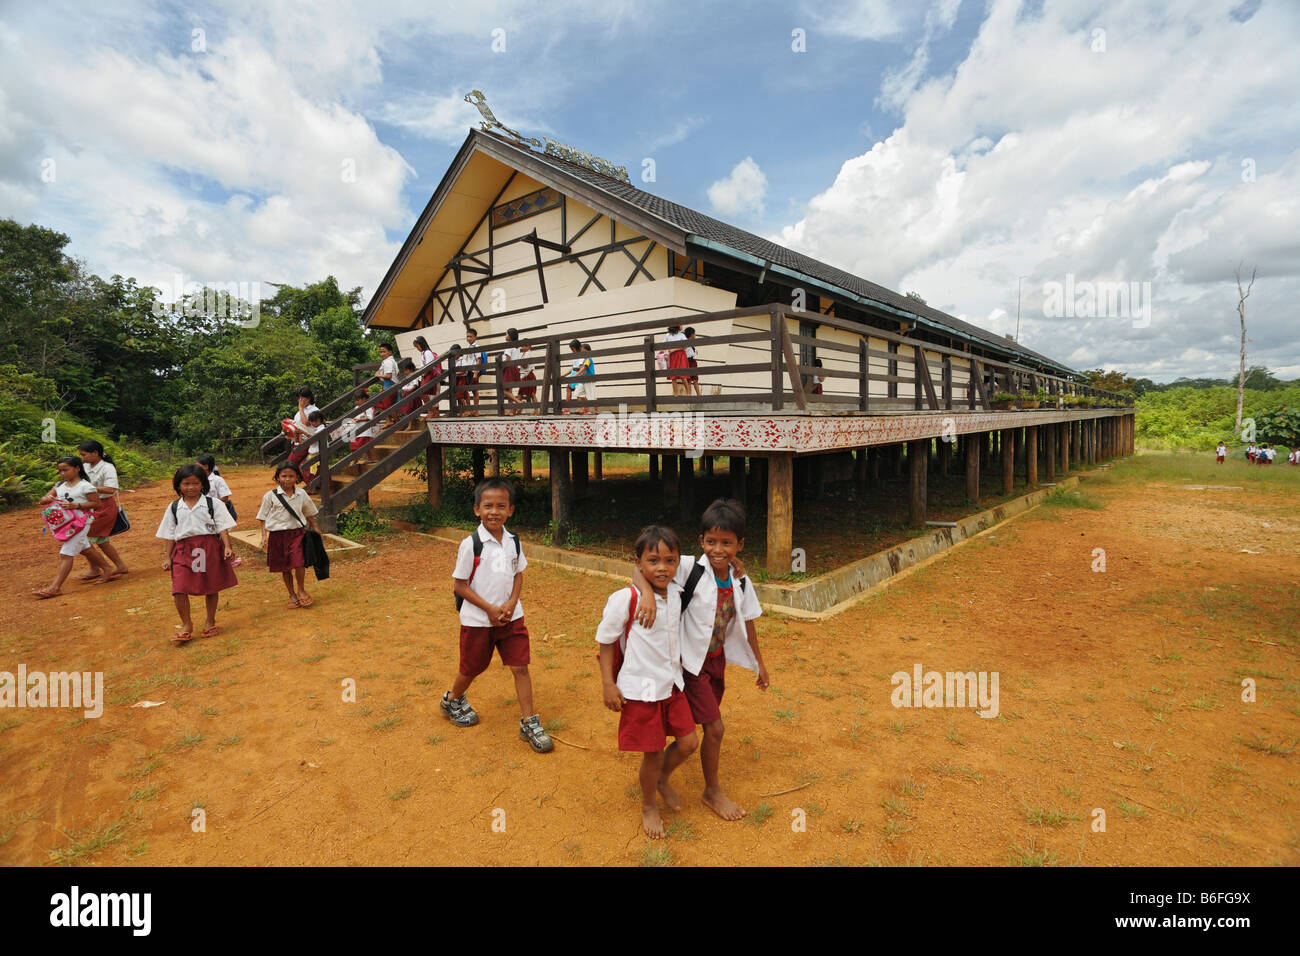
(1120, 691)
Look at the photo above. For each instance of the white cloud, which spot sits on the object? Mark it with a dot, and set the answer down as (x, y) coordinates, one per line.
(741, 192)
(1038, 157)
(859, 19)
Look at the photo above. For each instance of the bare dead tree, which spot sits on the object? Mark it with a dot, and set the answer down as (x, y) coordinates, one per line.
(1241, 313)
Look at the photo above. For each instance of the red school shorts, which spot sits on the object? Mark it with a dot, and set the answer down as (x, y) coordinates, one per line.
(476, 644)
(643, 726)
(704, 690)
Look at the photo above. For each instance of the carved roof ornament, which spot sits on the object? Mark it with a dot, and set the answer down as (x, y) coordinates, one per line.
(559, 150)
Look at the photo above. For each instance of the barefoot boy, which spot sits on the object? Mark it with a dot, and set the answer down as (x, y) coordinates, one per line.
(641, 669)
(719, 608)
(489, 575)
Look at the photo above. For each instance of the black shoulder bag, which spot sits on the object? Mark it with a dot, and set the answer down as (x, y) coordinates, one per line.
(313, 547)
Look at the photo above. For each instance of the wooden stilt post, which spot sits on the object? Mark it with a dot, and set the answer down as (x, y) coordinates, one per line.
(433, 471)
(476, 462)
(860, 468)
(945, 457)
(1031, 456)
(736, 466)
(561, 496)
(1049, 451)
(686, 489)
(873, 464)
(654, 468)
(579, 473)
(708, 466)
(669, 471)
(528, 465)
(780, 512)
(897, 452)
(1008, 441)
(494, 463)
(1063, 442)
(598, 464)
(916, 484)
(973, 445)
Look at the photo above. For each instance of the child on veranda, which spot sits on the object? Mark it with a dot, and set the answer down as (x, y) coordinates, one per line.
(197, 552)
(489, 576)
(641, 671)
(717, 622)
(285, 515)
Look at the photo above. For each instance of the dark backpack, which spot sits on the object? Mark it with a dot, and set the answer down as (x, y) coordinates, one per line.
(688, 590)
(477, 544)
(211, 512)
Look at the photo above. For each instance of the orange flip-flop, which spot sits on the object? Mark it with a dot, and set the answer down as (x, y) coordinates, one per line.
(182, 637)
(306, 601)
(211, 631)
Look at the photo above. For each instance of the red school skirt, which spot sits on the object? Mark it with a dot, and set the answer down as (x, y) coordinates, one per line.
(529, 394)
(677, 359)
(510, 373)
(284, 550)
(202, 551)
(104, 519)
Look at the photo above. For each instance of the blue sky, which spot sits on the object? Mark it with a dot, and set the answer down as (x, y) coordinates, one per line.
(948, 147)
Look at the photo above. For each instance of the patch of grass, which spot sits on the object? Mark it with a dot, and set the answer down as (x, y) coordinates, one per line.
(1032, 856)
(574, 848)
(1038, 817)
(681, 829)
(910, 788)
(656, 856)
(1070, 792)
(1263, 746)
(894, 829)
(312, 659)
(896, 806)
(387, 723)
(784, 716)
(851, 826)
(433, 740)
(759, 815)
(147, 793)
(1072, 498)
(82, 846)
(964, 771)
(953, 736)
(554, 725)
(189, 740)
(149, 767)
(1128, 809)
(229, 742)
(401, 794)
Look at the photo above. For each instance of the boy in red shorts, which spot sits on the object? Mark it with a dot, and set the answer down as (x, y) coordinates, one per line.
(719, 608)
(489, 575)
(641, 669)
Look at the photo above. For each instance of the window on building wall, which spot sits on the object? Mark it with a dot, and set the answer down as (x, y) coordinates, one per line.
(807, 352)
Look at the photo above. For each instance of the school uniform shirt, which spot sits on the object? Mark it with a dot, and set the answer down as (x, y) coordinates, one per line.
(690, 351)
(217, 487)
(103, 475)
(652, 659)
(75, 494)
(701, 614)
(674, 337)
(314, 447)
(495, 577)
(427, 358)
(190, 522)
(526, 369)
(275, 515)
(388, 367)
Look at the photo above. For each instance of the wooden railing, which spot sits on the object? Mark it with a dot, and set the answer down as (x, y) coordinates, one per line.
(938, 377)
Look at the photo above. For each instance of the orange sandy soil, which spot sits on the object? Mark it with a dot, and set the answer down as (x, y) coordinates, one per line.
(1118, 690)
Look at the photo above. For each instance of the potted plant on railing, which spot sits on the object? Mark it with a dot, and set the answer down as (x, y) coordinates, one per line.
(1027, 400)
(1002, 401)
(1046, 399)
(1069, 400)
(1084, 401)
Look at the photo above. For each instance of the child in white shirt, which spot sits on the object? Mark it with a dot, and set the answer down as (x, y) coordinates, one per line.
(197, 552)
(76, 496)
(641, 670)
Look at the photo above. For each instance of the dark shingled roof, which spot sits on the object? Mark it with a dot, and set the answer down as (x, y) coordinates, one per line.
(714, 230)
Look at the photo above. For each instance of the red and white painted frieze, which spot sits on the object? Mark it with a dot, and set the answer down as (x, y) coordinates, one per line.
(734, 434)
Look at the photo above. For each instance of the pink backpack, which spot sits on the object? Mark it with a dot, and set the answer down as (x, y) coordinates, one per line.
(63, 521)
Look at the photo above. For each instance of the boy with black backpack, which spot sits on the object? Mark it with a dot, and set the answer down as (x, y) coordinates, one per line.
(717, 627)
(489, 575)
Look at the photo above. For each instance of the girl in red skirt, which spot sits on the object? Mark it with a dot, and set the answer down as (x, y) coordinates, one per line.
(286, 514)
(510, 374)
(677, 358)
(198, 549)
(526, 374)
